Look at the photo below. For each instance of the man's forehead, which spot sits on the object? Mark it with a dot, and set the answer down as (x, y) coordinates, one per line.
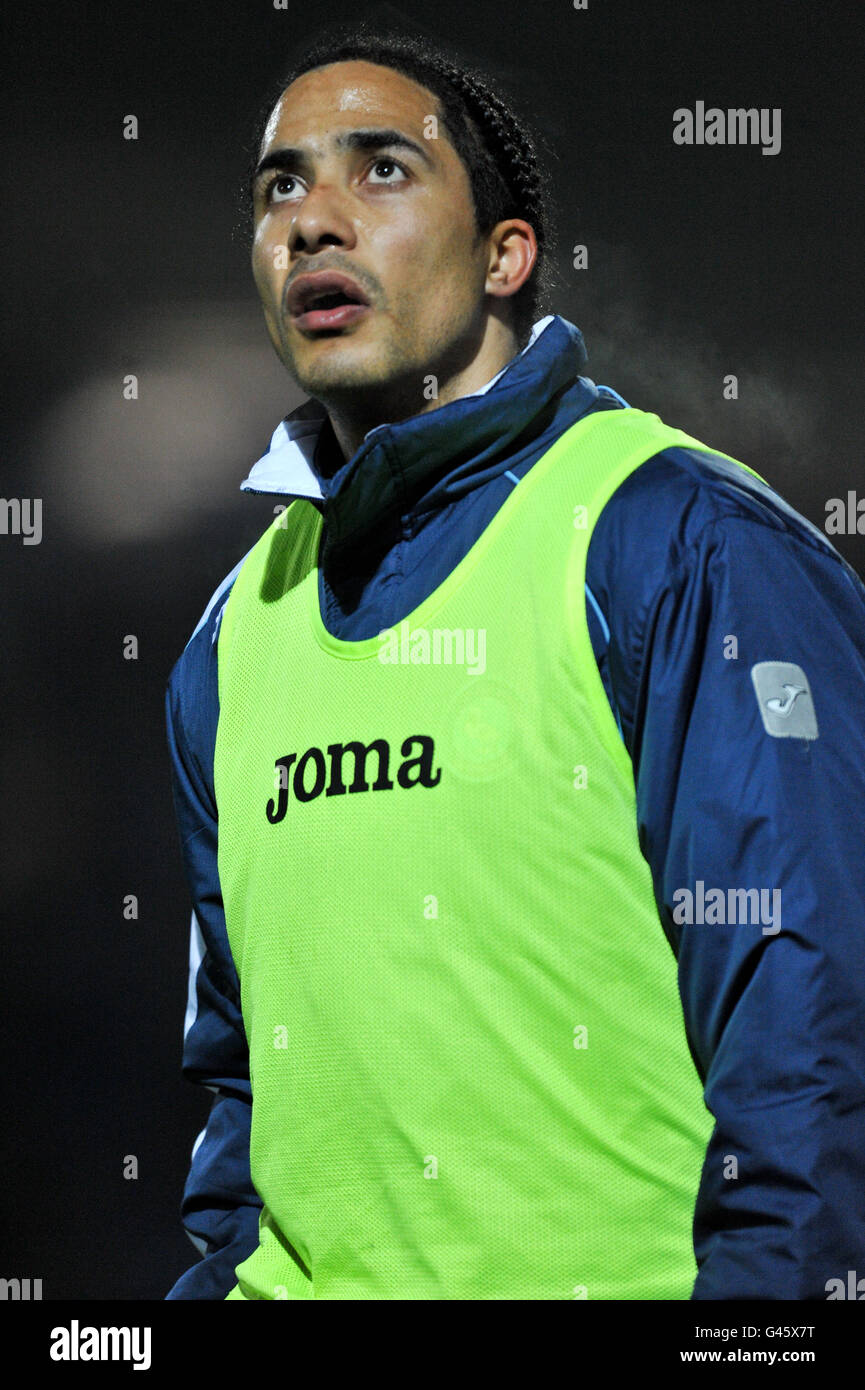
(343, 95)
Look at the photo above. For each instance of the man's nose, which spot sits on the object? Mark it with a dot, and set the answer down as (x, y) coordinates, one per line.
(321, 220)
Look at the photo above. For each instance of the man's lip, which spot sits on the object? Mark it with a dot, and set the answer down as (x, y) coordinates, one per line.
(341, 316)
(319, 282)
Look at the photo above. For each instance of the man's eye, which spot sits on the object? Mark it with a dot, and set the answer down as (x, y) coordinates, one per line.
(285, 186)
(275, 191)
(391, 164)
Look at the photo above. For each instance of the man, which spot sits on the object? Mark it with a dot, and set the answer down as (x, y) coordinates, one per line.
(525, 698)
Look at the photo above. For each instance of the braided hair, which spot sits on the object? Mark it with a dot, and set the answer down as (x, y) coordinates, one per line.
(498, 151)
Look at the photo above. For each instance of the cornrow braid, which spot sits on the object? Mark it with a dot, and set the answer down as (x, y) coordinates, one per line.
(499, 152)
(513, 151)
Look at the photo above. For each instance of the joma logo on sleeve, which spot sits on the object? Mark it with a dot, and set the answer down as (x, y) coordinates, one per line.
(413, 771)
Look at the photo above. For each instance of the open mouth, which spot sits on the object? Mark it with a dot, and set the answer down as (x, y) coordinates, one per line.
(331, 311)
(329, 301)
(331, 306)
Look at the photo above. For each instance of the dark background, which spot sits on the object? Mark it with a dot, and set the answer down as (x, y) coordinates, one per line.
(123, 256)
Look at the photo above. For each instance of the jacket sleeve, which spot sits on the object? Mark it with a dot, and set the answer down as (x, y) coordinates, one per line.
(774, 1004)
(220, 1207)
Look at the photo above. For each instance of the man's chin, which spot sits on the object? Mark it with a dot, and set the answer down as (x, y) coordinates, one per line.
(333, 379)
(339, 363)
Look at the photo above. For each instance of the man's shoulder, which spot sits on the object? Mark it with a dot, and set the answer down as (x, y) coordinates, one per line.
(689, 520)
(678, 500)
(681, 486)
(192, 684)
(207, 628)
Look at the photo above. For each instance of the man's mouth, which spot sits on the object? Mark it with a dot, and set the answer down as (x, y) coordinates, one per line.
(326, 299)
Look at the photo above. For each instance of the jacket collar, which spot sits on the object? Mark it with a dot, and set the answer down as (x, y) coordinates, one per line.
(429, 458)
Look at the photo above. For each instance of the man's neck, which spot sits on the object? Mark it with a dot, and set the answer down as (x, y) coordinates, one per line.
(351, 423)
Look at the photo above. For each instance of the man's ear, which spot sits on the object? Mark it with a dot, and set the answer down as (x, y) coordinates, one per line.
(513, 256)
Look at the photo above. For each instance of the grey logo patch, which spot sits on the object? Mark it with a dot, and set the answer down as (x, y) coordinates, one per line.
(784, 697)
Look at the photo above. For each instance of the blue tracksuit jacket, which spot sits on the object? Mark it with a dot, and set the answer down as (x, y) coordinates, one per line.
(687, 552)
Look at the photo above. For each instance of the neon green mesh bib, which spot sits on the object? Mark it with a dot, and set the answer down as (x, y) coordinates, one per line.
(469, 1068)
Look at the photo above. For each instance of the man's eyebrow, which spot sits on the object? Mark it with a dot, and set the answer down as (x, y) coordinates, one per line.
(290, 157)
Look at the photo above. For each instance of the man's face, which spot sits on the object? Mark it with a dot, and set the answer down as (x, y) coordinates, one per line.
(399, 221)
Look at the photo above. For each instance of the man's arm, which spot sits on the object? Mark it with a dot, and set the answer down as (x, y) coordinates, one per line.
(220, 1207)
(774, 1017)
